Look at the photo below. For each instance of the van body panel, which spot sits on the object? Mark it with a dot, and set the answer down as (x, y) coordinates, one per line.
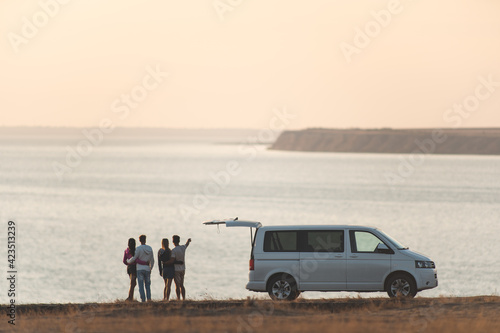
(322, 271)
(265, 269)
(266, 264)
(367, 271)
(258, 286)
(414, 255)
(254, 284)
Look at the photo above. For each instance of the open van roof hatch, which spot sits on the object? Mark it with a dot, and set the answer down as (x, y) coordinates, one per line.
(235, 223)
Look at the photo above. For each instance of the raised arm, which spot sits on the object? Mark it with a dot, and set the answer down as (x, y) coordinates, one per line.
(188, 241)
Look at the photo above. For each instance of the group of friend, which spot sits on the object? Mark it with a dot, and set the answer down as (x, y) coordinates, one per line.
(171, 265)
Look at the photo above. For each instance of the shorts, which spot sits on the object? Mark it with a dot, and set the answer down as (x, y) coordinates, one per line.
(168, 272)
(132, 269)
(179, 277)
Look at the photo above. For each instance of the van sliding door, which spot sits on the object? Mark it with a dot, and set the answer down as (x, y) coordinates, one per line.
(322, 260)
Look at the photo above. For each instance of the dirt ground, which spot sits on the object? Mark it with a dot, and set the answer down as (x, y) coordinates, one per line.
(445, 314)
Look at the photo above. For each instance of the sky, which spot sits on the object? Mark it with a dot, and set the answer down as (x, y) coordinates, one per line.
(233, 63)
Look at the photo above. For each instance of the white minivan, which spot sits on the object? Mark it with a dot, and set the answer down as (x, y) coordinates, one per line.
(287, 260)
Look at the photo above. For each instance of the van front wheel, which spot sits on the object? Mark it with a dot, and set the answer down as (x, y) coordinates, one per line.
(282, 288)
(401, 285)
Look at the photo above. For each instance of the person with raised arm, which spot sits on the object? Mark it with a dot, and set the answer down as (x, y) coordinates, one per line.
(178, 254)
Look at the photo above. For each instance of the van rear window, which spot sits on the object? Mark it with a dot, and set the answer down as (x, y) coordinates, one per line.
(280, 241)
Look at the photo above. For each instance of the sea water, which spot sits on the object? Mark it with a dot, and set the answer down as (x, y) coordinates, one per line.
(72, 229)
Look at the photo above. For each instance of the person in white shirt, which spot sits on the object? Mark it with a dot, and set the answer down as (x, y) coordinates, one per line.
(145, 253)
(178, 254)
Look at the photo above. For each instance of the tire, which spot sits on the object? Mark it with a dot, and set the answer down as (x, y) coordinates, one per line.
(282, 288)
(401, 285)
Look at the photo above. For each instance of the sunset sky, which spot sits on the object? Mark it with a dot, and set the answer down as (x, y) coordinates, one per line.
(337, 64)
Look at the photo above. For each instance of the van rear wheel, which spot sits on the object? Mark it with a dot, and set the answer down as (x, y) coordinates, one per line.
(282, 288)
(401, 285)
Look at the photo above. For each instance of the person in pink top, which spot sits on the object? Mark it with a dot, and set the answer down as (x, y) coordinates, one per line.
(131, 268)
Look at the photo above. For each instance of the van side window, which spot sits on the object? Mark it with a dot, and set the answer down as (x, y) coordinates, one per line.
(280, 241)
(324, 241)
(363, 241)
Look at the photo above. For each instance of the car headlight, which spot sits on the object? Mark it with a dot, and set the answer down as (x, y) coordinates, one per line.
(424, 264)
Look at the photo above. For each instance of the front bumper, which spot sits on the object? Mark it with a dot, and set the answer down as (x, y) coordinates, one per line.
(426, 278)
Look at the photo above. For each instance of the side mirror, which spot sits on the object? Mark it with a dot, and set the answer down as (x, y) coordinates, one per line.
(382, 248)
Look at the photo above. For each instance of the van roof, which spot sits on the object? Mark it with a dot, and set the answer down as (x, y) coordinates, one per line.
(235, 222)
(316, 227)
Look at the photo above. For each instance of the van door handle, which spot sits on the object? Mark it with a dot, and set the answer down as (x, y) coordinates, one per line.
(354, 256)
(339, 256)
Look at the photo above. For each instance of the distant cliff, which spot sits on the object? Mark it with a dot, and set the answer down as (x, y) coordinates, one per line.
(483, 141)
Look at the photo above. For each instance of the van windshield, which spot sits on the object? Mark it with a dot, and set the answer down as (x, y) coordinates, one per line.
(394, 242)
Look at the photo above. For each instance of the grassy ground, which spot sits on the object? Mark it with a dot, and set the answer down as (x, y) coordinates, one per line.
(451, 314)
